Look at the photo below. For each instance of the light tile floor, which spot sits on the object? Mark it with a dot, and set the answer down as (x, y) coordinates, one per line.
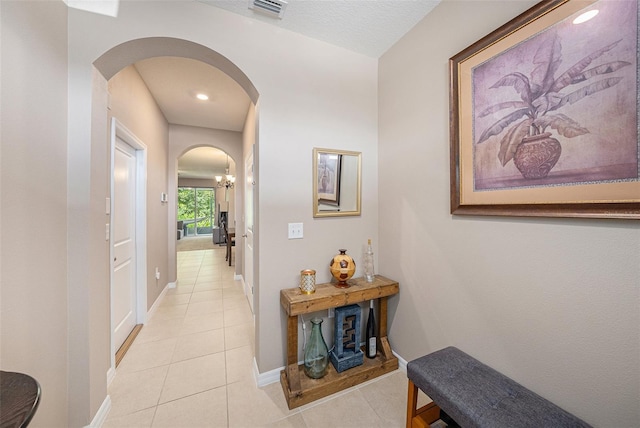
(192, 366)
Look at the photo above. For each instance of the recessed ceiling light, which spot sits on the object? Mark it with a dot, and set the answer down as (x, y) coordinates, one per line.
(202, 97)
(586, 16)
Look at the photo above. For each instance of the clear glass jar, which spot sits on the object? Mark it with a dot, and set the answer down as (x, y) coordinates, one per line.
(316, 353)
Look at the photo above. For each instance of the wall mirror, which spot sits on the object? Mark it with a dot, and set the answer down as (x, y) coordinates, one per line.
(336, 182)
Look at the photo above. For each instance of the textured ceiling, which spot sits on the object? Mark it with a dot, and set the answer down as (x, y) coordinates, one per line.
(369, 27)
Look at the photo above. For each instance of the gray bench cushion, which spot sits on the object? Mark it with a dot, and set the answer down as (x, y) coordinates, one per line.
(475, 395)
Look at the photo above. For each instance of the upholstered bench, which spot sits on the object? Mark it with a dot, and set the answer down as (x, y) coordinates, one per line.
(475, 395)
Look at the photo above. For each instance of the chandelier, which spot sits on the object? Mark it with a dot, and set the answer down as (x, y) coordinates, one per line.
(229, 179)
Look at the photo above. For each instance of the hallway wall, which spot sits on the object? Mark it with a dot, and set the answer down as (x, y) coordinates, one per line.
(311, 95)
(133, 105)
(33, 206)
(552, 303)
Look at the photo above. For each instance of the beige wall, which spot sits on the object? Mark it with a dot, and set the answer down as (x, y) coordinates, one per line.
(98, 318)
(33, 177)
(552, 303)
(306, 101)
(132, 105)
(197, 182)
(311, 95)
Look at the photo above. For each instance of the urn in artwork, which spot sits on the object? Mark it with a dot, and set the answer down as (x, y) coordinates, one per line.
(536, 155)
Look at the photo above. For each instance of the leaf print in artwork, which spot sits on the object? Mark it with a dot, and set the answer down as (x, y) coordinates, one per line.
(519, 95)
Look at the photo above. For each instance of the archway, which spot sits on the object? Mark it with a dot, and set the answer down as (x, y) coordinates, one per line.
(185, 138)
(118, 57)
(125, 54)
(206, 197)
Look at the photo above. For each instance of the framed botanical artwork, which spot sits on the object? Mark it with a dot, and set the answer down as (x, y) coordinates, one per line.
(544, 114)
(329, 177)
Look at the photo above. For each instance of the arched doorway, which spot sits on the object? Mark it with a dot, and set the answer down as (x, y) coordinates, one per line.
(206, 193)
(119, 57)
(122, 56)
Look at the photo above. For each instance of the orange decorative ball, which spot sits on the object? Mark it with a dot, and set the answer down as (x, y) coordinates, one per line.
(342, 268)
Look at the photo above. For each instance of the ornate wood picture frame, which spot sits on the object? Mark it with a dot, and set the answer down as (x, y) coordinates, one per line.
(544, 114)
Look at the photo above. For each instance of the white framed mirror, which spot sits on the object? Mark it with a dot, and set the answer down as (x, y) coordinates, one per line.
(336, 182)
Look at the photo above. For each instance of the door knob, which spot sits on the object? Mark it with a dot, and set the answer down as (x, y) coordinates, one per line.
(244, 236)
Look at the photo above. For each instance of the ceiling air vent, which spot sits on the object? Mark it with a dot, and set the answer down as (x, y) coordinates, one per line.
(273, 8)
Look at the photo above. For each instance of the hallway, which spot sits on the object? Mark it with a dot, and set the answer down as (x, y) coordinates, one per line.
(192, 366)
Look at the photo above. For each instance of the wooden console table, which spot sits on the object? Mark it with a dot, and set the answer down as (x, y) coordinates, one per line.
(300, 389)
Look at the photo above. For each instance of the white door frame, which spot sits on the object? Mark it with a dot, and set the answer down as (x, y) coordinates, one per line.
(119, 130)
(249, 210)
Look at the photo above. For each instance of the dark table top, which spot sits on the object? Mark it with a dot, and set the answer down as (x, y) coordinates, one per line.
(20, 396)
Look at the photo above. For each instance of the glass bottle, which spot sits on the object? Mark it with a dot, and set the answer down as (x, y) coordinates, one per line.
(371, 333)
(316, 353)
(368, 263)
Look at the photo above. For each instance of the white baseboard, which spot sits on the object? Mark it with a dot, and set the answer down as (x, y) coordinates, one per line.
(111, 374)
(267, 378)
(158, 301)
(172, 284)
(402, 363)
(102, 413)
(245, 288)
(237, 277)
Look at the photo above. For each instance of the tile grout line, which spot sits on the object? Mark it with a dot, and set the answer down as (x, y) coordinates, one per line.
(203, 264)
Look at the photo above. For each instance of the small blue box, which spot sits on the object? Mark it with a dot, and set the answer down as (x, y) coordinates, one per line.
(346, 351)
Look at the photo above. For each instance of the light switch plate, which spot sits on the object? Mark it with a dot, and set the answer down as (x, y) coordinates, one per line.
(295, 231)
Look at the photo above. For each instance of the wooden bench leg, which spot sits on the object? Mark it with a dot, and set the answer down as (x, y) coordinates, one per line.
(412, 402)
(422, 417)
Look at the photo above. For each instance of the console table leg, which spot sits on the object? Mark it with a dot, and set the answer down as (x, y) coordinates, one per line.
(383, 344)
(293, 374)
(382, 317)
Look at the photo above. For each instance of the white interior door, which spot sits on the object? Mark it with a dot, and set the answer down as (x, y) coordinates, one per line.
(123, 221)
(248, 234)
